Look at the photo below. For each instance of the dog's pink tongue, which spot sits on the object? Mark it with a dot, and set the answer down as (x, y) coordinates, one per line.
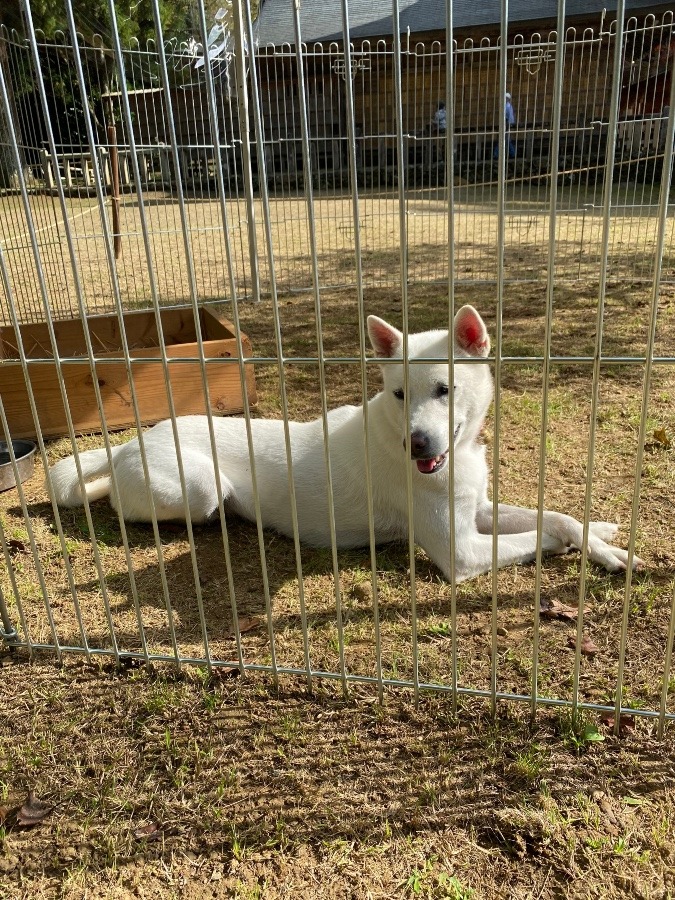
(426, 465)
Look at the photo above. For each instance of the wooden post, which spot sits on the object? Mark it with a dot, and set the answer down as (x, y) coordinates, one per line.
(47, 170)
(115, 179)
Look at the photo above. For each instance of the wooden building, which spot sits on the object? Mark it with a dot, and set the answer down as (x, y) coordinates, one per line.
(586, 87)
(478, 104)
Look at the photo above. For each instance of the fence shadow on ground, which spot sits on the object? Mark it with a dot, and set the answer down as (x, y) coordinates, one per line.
(317, 564)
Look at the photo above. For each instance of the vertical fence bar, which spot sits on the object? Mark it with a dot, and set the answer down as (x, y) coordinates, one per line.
(595, 391)
(267, 220)
(8, 632)
(351, 148)
(403, 251)
(215, 133)
(550, 285)
(194, 299)
(241, 52)
(31, 540)
(311, 225)
(240, 57)
(8, 561)
(501, 214)
(81, 305)
(11, 636)
(57, 362)
(450, 196)
(189, 258)
(670, 639)
(110, 258)
(666, 180)
(124, 98)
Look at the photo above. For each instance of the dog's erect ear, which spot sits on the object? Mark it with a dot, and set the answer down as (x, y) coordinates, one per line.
(386, 340)
(470, 332)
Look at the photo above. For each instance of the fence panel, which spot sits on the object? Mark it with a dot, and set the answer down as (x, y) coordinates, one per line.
(157, 214)
(582, 143)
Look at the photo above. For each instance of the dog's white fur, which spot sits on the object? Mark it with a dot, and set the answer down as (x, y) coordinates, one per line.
(389, 460)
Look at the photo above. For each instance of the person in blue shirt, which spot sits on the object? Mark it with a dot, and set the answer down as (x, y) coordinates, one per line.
(441, 117)
(510, 118)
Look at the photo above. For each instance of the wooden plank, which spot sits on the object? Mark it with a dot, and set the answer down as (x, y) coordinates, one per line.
(140, 328)
(224, 387)
(216, 326)
(186, 385)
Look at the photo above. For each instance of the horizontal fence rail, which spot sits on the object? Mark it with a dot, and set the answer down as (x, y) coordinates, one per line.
(176, 239)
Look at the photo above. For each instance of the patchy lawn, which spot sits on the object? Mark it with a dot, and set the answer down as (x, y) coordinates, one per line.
(191, 786)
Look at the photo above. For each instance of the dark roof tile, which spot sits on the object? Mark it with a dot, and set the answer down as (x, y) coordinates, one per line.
(321, 20)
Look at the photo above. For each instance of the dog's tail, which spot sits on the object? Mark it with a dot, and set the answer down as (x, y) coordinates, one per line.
(66, 487)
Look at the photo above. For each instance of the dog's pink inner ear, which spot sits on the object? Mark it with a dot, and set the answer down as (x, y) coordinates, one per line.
(470, 332)
(385, 339)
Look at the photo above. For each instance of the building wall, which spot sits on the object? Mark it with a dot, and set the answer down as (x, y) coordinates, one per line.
(586, 86)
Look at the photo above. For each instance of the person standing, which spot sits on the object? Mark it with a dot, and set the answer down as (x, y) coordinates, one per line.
(509, 122)
(440, 118)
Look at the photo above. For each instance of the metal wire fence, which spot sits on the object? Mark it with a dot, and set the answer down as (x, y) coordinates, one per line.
(315, 168)
(581, 152)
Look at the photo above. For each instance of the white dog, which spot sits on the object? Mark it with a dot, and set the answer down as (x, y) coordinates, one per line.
(389, 459)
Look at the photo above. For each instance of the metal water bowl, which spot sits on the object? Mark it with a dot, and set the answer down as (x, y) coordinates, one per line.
(24, 453)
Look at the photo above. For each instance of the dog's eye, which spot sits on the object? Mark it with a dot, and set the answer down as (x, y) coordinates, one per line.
(442, 390)
(398, 394)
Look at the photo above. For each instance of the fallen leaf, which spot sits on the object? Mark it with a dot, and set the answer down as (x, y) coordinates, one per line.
(248, 623)
(588, 648)
(554, 609)
(626, 721)
(223, 672)
(4, 813)
(612, 824)
(33, 811)
(662, 438)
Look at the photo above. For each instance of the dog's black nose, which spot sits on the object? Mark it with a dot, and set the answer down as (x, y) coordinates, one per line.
(419, 444)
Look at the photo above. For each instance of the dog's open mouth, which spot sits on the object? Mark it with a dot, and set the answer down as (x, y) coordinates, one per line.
(429, 466)
(435, 463)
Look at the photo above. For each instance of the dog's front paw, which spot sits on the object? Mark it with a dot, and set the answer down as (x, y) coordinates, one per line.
(637, 564)
(614, 559)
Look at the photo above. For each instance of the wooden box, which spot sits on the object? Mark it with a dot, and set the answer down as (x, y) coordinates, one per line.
(180, 338)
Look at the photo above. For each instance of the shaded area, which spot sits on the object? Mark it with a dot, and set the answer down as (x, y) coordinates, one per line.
(229, 789)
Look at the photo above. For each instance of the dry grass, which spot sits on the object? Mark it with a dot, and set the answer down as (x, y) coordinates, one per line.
(258, 793)
(579, 234)
(187, 788)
